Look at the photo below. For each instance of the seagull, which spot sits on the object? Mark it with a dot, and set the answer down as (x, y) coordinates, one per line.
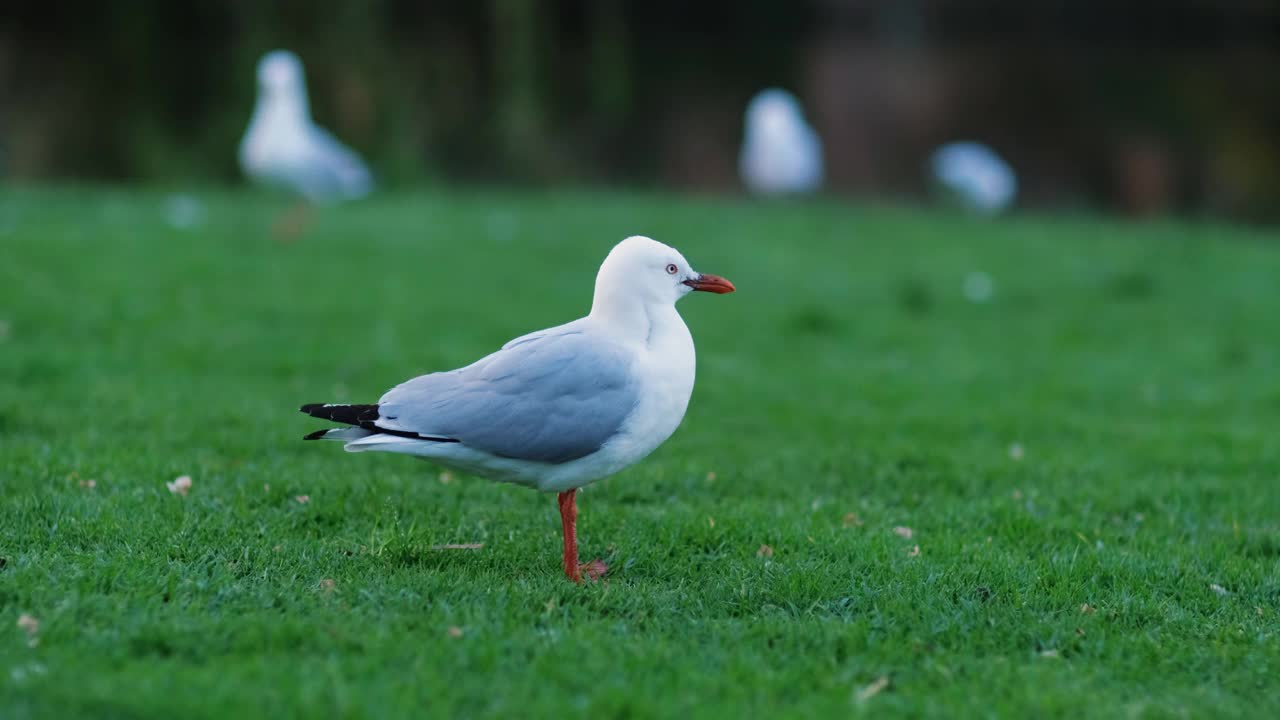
(556, 409)
(282, 147)
(781, 154)
(975, 175)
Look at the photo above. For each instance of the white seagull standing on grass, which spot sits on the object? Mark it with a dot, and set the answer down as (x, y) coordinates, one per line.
(283, 147)
(781, 154)
(560, 408)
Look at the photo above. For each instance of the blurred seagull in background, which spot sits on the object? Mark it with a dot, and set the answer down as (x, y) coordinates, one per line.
(560, 408)
(975, 175)
(283, 147)
(781, 154)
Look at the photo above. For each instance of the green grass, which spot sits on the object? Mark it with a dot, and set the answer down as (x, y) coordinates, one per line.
(847, 388)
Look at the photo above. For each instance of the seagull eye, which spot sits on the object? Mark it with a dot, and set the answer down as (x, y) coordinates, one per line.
(671, 268)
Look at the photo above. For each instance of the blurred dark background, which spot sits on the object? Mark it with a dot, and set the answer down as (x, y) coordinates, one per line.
(1137, 108)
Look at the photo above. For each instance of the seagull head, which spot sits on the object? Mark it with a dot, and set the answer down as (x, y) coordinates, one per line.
(280, 76)
(644, 270)
(774, 112)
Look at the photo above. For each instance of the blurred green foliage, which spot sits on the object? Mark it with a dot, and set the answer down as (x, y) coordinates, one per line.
(1117, 106)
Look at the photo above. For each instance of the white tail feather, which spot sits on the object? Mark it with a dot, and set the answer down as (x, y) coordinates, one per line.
(346, 434)
(381, 441)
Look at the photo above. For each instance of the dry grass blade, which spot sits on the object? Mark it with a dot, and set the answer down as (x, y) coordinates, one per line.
(872, 689)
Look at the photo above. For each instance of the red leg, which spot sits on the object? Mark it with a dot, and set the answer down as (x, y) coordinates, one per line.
(569, 526)
(293, 223)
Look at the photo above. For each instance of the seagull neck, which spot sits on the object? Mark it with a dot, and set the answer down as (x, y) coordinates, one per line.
(283, 109)
(629, 318)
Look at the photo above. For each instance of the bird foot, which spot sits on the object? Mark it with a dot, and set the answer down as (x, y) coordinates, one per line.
(593, 570)
(292, 224)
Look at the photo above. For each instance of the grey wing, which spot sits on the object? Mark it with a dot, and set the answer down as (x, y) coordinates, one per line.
(569, 328)
(812, 160)
(552, 398)
(334, 170)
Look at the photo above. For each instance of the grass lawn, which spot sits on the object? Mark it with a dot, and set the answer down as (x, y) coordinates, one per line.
(1085, 459)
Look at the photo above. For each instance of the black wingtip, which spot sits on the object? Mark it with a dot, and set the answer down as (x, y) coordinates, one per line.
(362, 416)
(342, 412)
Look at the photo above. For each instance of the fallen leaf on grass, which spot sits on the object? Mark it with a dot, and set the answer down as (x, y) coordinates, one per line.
(873, 689)
(914, 551)
(903, 531)
(455, 631)
(851, 519)
(89, 484)
(1087, 609)
(303, 499)
(765, 552)
(327, 585)
(458, 546)
(181, 485)
(31, 627)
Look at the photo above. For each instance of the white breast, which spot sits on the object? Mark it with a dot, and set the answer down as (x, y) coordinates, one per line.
(275, 145)
(666, 371)
(781, 162)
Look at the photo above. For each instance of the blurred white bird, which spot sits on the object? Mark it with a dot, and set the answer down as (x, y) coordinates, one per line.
(284, 148)
(781, 154)
(975, 175)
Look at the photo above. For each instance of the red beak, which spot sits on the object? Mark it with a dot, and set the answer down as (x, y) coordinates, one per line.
(711, 283)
